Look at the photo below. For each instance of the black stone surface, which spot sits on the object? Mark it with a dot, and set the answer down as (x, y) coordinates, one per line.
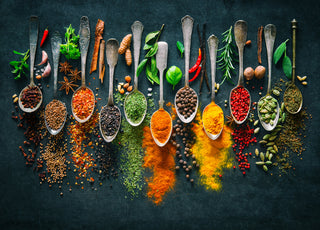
(256, 201)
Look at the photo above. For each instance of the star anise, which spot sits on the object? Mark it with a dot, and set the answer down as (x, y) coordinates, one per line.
(65, 67)
(230, 121)
(67, 85)
(75, 75)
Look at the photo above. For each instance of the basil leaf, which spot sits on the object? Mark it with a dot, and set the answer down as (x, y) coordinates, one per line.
(146, 47)
(173, 75)
(279, 51)
(287, 66)
(153, 50)
(180, 47)
(151, 37)
(141, 66)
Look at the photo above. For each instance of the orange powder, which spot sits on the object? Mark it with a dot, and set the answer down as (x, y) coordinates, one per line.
(160, 160)
(212, 156)
(161, 125)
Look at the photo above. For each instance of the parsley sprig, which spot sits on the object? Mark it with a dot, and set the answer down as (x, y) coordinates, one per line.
(70, 49)
(20, 67)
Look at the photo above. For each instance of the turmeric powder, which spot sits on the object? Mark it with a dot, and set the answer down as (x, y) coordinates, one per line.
(161, 125)
(213, 118)
(161, 161)
(212, 155)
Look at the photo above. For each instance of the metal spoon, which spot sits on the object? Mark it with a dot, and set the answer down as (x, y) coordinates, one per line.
(84, 45)
(112, 59)
(213, 46)
(56, 40)
(187, 25)
(137, 29)
(269, 36)
(33, 39)
(292, 85)
(240, 34)
(161, 58)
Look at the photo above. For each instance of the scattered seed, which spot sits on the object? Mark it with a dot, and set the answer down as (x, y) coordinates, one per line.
(265, 168)
(304, 83)
(256, 122)
(262, 156)
(256, 152)
(256, 130)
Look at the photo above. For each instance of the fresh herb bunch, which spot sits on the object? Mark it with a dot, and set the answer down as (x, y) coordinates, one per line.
(70, 49)
(20, 66)
(149, 61)
(286, 62)
(227, 56)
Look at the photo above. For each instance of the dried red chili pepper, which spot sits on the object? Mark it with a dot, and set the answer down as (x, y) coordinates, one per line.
(197, 74)
(44, 37)
(195, 67)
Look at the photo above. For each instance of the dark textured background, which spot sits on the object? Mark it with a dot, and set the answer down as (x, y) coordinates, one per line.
(257, 201)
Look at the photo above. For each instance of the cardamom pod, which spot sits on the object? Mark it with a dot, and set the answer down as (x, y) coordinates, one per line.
(266, 137)
(262, 156)
(259, 163)
(270, 156)
(265, 168)
(272, 138)
(256, 130)
(256, 152)
(268, 163)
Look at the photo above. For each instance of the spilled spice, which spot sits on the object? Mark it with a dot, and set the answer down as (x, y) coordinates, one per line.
(160, 160)
(212, 156)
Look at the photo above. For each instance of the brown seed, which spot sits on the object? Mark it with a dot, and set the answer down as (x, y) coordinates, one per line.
(129, 89)
(121, 91)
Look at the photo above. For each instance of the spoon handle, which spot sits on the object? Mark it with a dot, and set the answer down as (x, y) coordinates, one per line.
(56, 40)
(137, 29)
(187, 26)
(213, 47)
(294, 28)
(84, 45)
(33, 39)
(240, 35)
(112, 47)
(269, 36)
(161, 57)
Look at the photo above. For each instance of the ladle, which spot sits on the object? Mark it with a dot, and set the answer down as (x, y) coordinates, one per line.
(240, 35)
(137, 29)
(187, 26)
(213, 46)
(292, 85)
(112, 47)
(161, 58)
(33, 39)
(56, 40)
(84, 45)
(269, 36)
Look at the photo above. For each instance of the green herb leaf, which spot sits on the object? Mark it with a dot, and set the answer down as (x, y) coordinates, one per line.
(279, 52)
(14, 63)
(15, 71)
(152, 37)
(287, 66)
(146, 47)
(153, 64)
(16, 52)
(141, 66)
(70, 49)
(180, 47)
(152, 76)
(153, 50)
(173, 75)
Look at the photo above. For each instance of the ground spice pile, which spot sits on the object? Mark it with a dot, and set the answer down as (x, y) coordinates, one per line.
(160, 160)
(212, 156)
(80, 134)
(161, 125)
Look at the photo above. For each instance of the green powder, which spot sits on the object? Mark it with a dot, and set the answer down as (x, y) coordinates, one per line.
(135, 106)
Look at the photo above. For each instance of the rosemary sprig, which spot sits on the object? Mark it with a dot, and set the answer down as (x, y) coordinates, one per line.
(227, 56)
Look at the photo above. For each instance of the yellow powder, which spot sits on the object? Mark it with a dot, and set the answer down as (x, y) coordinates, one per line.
(212, 156)
(213, 118)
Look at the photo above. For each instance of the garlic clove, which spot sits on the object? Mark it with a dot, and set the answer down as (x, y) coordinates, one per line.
(47, 71)
(44, 57)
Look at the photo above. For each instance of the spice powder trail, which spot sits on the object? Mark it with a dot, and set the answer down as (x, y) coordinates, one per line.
(212, 156)
(160, 160)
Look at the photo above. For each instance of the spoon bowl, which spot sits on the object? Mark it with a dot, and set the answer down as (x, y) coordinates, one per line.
(293, 87)
(213, 47)
(269, 35)
(33, 40)
(84, 45)
(114, 112)
(161, 57)
(187, 26)
(240, 34)
(137, 29)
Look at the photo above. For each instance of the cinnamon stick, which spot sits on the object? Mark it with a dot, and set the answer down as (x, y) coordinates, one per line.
(259, 43)
(98, 37)
(102, 66)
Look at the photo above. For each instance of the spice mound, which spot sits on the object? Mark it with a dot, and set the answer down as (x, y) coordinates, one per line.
(55, 114)
(267, 107)
(186, 100)
(30, 97)
(135, 106)
(240, 103)
(292, 99)
(110, 120)
(83, 103)
(161, 125)
(213, 118)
